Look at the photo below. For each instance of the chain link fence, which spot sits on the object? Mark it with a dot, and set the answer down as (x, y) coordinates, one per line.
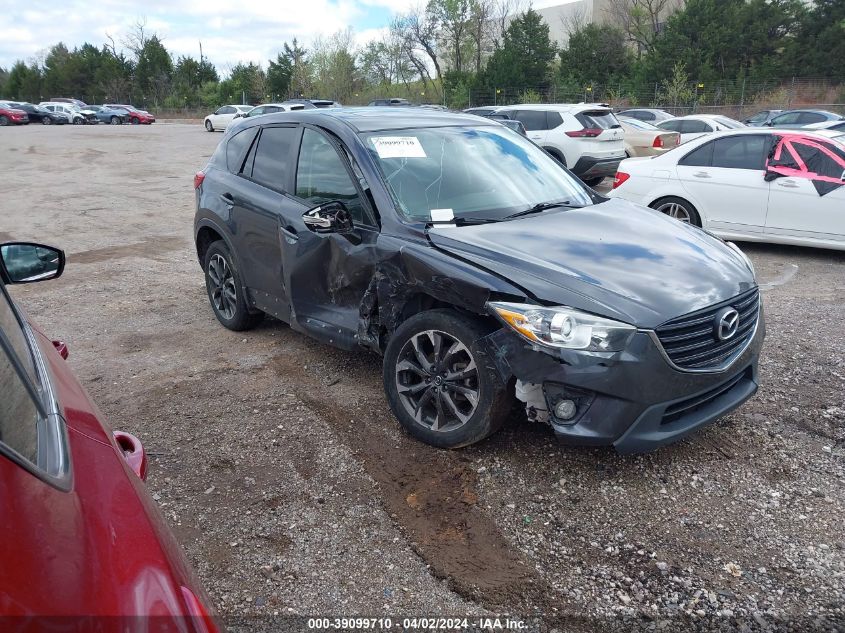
(736, 99)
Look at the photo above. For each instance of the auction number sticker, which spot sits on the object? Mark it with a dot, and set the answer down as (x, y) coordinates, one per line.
(398, 147)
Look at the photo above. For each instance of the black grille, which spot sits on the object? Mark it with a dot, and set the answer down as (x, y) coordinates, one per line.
(690, 341)
(689, 406)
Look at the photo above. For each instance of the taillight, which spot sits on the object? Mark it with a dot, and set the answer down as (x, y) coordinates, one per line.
(587, 132)
(620, 178)
(198, 178)
(202, 620)
(658, 141)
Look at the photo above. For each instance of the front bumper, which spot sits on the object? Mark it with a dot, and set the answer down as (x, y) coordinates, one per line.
(590, 167)
(633, 400)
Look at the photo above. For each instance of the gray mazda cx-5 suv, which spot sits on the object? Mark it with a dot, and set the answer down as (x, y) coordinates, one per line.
(482, 271)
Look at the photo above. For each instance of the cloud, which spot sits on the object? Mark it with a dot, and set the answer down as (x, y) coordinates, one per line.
(230, 32)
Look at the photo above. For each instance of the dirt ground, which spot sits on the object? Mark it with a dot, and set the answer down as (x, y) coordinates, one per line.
(294, 492)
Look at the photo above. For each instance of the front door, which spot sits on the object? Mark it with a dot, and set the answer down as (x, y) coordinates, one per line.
(328, 274)
(726, 178)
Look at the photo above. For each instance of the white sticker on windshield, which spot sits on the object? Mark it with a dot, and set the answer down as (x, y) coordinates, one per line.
(398, 147)
(442, 215)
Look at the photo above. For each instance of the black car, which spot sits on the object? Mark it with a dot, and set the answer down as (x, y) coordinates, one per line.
(394, 101)
(42, 115)
(480, 269)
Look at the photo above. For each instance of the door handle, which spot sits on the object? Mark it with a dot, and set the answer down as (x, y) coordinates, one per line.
(228, 199)
(701, 174)
(289, 232)
(788, 184)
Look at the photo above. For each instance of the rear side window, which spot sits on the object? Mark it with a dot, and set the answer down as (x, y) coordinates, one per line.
(692, 126)
(741, 152)
(597, 119)
(701, 157)
(18, 414)
(811, 117)
(532, 119)
(786, 119)
(236, 147)
(673, 126)
(272, 163)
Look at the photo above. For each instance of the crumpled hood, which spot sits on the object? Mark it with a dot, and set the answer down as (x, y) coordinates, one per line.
(616, 259)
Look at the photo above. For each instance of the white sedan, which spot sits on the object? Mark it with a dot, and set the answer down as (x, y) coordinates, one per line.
(695, 125)
(755, 184)
(224, 115)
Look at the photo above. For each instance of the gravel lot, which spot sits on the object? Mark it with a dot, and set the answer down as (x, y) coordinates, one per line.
(291, 487)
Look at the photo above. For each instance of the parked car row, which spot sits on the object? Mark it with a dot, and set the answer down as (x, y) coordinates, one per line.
(73, 111)
(753, 184)
(223, 116)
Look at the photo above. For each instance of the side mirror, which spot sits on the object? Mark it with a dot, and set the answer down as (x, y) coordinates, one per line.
(331, 217)
(25, 262)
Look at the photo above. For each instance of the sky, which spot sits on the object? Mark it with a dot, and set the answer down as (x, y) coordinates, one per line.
(231, 31)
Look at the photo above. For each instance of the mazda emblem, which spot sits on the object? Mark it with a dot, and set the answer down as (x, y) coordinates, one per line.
(727, 322)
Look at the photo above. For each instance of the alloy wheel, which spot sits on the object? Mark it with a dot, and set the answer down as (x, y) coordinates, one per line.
(46, 121)
(437, 380)
(223, 293)
(675, 210)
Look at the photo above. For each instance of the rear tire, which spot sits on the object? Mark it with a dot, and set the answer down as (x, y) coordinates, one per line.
(4, 120)
(225, 292)
(115, 120)
(556, 155)
(45, 120)
(677, 208)
(593, 182)
(135, 121)
(439, 382)
(208, 126)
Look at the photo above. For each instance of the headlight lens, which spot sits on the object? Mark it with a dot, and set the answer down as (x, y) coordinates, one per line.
(562, 327)
(744, 258)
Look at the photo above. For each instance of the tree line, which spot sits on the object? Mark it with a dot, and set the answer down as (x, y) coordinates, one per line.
(442, 51)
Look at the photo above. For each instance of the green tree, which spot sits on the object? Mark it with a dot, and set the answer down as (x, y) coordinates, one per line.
(25, 82)
(153, 71)
(819, 44)
(525, 56)
(595, 53)
(245, 84)
(279, 75)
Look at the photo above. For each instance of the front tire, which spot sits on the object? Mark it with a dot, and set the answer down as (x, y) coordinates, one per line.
(115, 120)
(225, 292)
(208, 126)
(135, 121)
(439, 382)
(679, 209)
(78, 121)
(4, 120)
(45, 120)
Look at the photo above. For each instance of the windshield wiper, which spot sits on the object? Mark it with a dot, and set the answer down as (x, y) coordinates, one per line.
(543, 206)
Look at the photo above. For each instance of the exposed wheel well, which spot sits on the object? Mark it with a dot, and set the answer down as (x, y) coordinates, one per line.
(205, 238)
(557, 154)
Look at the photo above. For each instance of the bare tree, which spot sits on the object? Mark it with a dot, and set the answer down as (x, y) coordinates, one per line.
(575, 20)
(417, 32)
(640, 20)
(503, 11)
(137, 37)
(481, 21)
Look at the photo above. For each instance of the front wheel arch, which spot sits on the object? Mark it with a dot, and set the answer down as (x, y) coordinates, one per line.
(694, 215)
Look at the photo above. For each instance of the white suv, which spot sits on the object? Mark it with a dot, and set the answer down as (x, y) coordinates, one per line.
(585, 137)
(73, 113)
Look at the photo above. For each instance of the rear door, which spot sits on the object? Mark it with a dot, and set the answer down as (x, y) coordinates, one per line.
(535, 122)
(260, 199)
(726, 179)
(797, 208)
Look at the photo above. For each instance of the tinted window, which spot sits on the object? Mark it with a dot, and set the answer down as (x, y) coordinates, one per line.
(598, 119)
(236, 147)
(531, 119)
(811, 117)
(321, 176)
(271, 109)
(18, 415)
(674, 126)
(691, 126)
(786, 119)
(272, 156)
(701, 157)
(759, 117)
(741, 152)
(256, 111)
(226, 110)
(553, 119)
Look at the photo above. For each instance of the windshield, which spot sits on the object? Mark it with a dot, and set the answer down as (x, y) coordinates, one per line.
(484, 172)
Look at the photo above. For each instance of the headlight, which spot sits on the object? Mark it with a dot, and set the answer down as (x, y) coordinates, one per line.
(744, 258)
(563, 327)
